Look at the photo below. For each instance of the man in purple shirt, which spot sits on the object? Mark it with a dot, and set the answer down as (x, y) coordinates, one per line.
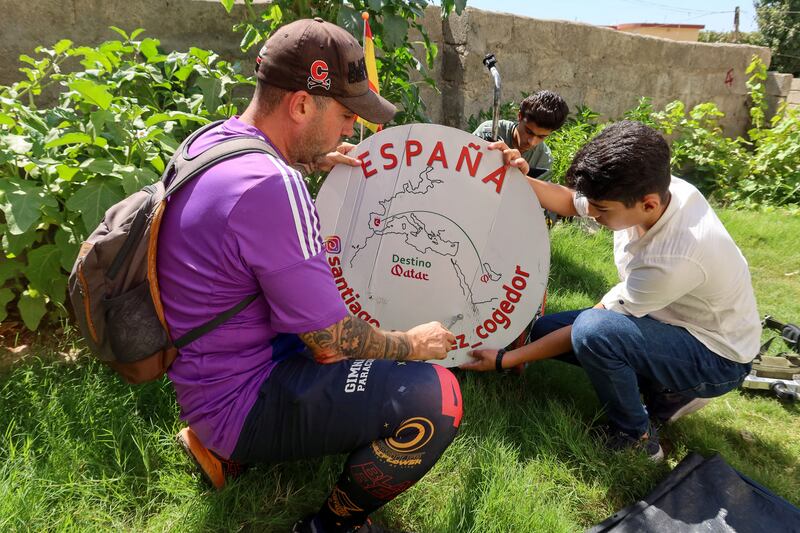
(293, 375)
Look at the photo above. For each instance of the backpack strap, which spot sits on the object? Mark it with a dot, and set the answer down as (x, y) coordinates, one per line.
(218, 320)
(169, 169)
(182, 167)
(187, 168)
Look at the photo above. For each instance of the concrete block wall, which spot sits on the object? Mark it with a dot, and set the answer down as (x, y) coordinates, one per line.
(793, 99)
(178, 24)
(602, 68)
(778, 87)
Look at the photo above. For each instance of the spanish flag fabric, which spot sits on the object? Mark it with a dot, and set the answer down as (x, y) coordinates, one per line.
(372, 70)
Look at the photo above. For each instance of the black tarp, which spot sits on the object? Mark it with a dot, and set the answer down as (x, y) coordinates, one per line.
(705, 495)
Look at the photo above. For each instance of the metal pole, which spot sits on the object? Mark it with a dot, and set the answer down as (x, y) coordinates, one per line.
(491, 64)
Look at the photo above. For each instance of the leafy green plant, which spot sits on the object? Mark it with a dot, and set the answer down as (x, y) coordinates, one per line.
(773, 176)
(762, 170)
(773, 170)
(567, 140)
(114, 126)
(643, 112)
(700, 152)
(756, 87)
(393, 24)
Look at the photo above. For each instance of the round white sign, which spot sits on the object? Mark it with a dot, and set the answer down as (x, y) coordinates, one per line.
(433, 226)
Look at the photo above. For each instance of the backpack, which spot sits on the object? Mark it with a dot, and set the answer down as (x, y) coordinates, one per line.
(113, 285)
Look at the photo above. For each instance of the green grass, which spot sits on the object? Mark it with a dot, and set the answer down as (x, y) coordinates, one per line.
(79, 450)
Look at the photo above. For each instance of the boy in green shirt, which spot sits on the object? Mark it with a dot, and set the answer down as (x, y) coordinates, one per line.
(540, 114)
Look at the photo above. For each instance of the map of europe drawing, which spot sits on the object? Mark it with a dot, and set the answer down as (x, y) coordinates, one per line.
(427, 232)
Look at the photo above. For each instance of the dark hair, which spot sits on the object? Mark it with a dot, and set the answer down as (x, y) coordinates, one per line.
(624, 163)
(547, 109)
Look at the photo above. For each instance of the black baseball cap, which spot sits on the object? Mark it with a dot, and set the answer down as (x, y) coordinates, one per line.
(322, 59)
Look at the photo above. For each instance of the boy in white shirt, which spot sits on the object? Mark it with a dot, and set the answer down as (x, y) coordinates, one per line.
(682, 324)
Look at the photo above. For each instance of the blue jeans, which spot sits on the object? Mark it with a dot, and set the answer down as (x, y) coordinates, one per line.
(618, 352)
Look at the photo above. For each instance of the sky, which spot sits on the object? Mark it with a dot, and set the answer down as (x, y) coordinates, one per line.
(716, 15)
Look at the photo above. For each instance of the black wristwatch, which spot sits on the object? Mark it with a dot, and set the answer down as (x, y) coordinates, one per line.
(498, 361)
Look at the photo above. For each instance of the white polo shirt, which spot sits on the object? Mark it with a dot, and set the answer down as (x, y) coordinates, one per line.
(687, 271)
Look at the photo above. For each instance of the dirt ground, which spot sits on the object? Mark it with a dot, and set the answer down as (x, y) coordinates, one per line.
(16, 343)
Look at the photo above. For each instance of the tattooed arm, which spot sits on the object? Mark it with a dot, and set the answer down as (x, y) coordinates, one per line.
(353, 338)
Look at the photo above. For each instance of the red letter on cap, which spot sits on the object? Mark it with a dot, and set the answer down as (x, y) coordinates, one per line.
(319, 70)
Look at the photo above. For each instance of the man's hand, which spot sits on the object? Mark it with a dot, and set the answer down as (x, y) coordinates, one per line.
(483, 360)
(430, 341)
(336, 157)
(511, 156)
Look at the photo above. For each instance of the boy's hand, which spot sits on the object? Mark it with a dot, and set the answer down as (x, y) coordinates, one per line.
(511, 156)
(483, 360)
